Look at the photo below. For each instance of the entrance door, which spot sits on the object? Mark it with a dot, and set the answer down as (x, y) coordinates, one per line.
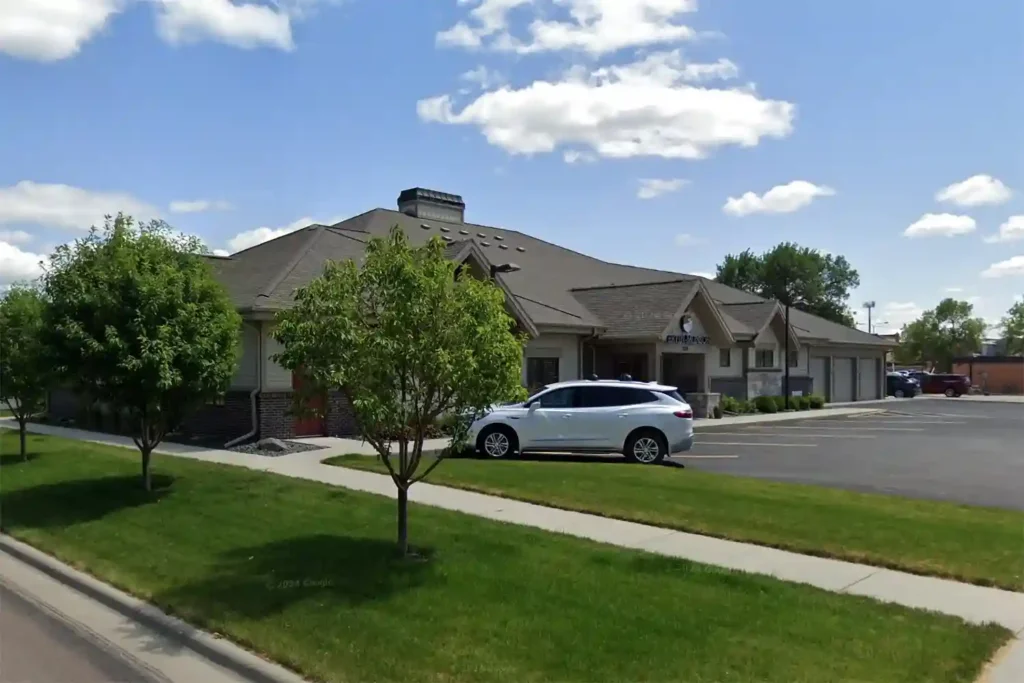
(843, 382)
(819, 376)
(632, 364)
(867, 369)
(684, 371)
(309, 424)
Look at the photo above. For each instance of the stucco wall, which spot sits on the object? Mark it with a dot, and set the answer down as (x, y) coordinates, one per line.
(565, 347)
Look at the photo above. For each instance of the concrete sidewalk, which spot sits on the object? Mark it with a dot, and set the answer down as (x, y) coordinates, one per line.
(975, 604)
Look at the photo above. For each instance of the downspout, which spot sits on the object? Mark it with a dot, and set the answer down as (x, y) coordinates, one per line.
(254, 393)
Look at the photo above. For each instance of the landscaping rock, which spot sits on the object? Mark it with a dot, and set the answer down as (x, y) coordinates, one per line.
(272, 445)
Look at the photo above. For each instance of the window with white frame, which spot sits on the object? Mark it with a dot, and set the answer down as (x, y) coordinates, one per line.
(724, 358)
(764, 358)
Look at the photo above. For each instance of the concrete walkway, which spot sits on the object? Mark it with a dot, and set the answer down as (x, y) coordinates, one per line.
(975, 604)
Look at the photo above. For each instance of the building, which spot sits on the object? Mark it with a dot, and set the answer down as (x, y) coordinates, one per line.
(583, 316)
(993, 374)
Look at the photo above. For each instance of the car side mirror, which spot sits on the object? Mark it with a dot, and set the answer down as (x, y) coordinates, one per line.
(532, 405)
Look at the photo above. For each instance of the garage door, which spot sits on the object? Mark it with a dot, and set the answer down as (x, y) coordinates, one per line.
(867, 379)
(842, 383)
(819, 375)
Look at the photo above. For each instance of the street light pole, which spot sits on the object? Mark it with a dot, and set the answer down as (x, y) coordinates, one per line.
(870, 305)
(786, 359)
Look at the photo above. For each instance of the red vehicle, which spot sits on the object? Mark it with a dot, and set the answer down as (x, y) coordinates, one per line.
(941, 383)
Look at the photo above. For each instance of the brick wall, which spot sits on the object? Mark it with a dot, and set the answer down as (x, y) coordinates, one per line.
(276, 419)
(227, 420)
(341, 420)
(1005, 376)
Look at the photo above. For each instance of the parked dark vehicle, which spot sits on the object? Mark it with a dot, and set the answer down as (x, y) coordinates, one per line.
(901, 386)
(943, 383)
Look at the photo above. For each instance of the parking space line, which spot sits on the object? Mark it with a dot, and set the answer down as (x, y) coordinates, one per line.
(845, 429)
(796, 436)
(707, 457)
(750, 443)
(908, 420)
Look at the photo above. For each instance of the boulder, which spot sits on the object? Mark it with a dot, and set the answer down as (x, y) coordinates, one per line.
(275, 445)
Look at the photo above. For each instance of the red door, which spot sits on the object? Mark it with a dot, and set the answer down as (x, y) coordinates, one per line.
(309, 424)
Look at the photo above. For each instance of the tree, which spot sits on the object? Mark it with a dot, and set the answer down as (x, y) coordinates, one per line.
(25, 369)
(407, 338)
(137, 321)
(807, 279)
(940, 335)
(1013, 329)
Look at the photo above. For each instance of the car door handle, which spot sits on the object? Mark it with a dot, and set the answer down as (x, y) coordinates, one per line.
(566, 417)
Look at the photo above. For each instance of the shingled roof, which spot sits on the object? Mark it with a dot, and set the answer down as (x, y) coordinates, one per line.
(554, 286)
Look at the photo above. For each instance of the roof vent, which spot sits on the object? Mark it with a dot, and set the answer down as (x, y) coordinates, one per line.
(439, 206)
(444, 229)
(485, 244)
(425, 226)
(481, 235)
(463, 232)
(520, 249)
(446, 238)
(499, 238)
(502, 246)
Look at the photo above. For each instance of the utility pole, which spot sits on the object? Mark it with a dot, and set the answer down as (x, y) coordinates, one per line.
(870, 305)
(786, 359)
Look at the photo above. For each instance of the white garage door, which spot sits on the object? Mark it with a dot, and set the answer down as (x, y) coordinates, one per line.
(819, 375)
(842, 384)
(867, 379)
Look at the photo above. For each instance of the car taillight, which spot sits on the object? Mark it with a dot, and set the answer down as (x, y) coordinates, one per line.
(687, 414)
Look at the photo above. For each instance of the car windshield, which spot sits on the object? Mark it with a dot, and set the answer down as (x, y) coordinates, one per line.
(537, 393)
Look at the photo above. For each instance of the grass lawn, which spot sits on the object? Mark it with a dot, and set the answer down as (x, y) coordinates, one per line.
(978, 545)
(307, 574)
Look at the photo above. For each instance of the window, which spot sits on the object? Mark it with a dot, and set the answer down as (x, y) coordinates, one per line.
(608, 397)
(724, 358)
(764, 358)
(541, 371)
(794, 359)
(559, 398)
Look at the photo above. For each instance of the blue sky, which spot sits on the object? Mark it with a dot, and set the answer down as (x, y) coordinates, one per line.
(609, 127)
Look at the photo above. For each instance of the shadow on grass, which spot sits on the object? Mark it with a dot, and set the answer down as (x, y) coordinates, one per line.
(14, 458)
(323, 570)
(74, 502)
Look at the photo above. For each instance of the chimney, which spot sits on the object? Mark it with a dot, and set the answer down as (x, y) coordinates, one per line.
(431, 204)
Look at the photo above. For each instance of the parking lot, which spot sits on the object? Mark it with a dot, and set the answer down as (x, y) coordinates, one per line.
(947, 449)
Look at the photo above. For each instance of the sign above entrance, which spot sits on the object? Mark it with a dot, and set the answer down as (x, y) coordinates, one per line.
(686, 338)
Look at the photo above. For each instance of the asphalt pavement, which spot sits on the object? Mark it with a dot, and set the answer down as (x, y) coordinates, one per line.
(944, 449)
(37, 645)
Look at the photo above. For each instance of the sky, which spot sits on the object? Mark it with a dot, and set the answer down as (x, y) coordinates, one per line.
(661, 133)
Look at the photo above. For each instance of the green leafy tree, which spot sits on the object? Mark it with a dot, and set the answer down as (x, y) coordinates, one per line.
(805, 278)
(408, 339)
(137, 321)
(940, 335)
(1013, 329)
(25, 369)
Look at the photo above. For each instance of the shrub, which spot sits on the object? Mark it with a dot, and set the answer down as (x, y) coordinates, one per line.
(729, 404)
(780, 403)
(816, 402)
(766, 404)
(801, 402)
(717, 413)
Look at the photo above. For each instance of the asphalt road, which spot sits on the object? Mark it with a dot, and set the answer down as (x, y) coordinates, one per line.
(945, 449)
(38, 646)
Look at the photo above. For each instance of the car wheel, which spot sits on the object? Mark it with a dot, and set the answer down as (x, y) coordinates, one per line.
(646, 446)
(497, 441)
(898, 393)
(950, 393)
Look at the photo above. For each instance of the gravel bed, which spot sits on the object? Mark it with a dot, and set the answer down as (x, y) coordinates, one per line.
(293, 447)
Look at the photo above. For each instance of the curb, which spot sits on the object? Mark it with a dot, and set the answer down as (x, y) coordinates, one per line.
(217, 650)
(770, 418)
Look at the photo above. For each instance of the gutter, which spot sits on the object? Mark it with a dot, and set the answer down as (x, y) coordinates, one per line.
(254, 393)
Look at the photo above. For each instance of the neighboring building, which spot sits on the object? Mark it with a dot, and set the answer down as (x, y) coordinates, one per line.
(583, 316)
(993, 374)
(993, 347)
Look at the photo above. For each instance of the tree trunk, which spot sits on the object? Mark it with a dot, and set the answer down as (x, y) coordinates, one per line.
(21, 434)
(403, 521)
(147, 482)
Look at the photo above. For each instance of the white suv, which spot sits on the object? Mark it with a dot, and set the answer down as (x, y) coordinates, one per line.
(643, 421)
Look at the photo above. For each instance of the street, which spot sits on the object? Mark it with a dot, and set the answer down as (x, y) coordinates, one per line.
(945, 449)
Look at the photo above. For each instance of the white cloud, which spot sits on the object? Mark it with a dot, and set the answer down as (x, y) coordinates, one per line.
(15, 237)
(703, 274)
(483, 77)
(64, 206)
(954, 290)
(941, 225)
(221, 252)
(896, 314)
(240, 25)
(198, 205)
(1010, 231)
(250, 238)
(17, 265)
(51, 30)
(1013, 266)
(596, 27)
(975, 191)
(574, 156)
(780, 199)
(646, 108)
(685, 239)
(656, 187)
